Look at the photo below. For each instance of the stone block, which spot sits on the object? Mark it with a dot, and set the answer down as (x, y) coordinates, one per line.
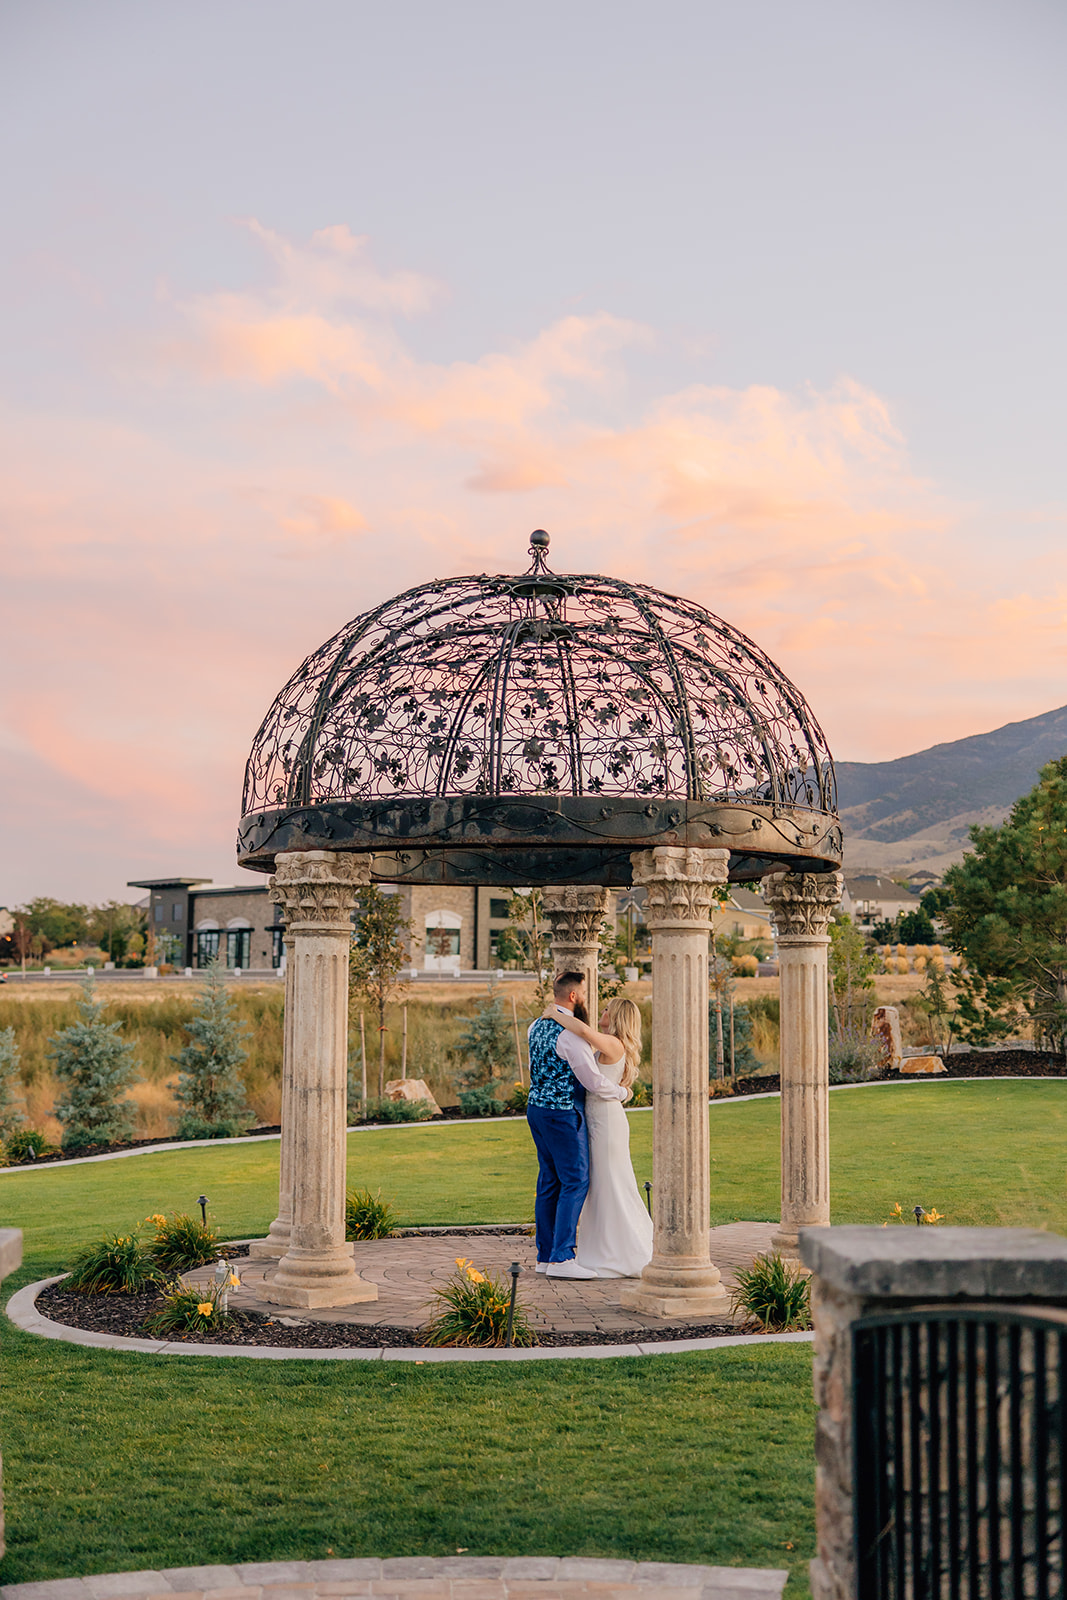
(118, 1585)
(411, 1089)
(361, 1569)
(536, 1569)
(922, 1066)
(49, 1589)
(217, 1577)
(277, 1571)
(10, 1251)
(938, 1263)
(592, 1570)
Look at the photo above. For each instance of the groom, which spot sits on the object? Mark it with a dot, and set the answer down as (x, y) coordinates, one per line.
(562, 1069)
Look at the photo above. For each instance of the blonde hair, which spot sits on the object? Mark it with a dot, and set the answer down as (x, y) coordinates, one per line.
(624, 1021)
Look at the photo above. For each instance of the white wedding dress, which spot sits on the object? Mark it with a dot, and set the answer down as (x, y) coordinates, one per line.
(615, 1230)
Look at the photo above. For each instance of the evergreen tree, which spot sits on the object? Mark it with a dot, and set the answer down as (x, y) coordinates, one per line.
(95, 1065)
(10, 1116)
(488, 1042)
(1008, 919)
(210, 1086)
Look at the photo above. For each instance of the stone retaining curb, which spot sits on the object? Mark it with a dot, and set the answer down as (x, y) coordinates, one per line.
(22, 1311)
(448, 1577)
(401, 1127)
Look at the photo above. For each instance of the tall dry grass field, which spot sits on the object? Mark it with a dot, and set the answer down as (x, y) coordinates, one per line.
(154, 1025)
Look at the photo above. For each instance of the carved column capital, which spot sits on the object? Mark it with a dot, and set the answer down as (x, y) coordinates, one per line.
(317, 889)
(575, 912)
(802, 903)
(680, 883)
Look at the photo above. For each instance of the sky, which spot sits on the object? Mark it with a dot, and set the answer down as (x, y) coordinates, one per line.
(302, 304)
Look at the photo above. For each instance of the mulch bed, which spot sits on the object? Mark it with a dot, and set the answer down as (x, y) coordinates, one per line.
(124, 1315)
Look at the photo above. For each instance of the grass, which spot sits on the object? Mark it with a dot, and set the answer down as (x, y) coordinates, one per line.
(989, 1152)
(111, 1465)
(118, 1463)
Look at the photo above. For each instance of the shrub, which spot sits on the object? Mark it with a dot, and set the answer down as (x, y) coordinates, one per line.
(475, 1311)
(190, 1311)
(642, 1093)
(208, 1085)
(774, 1295)
(95, 1065)
(399, 1110)
(191, 1127)
(368, 1216)
(182, 1242)
(487, 1042)
(26, 1145)
(10, 1115)
(853, 1058)
(116, 1264)
(518, 1098)
(484, 1100)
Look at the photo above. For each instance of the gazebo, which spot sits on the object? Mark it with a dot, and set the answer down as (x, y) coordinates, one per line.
(577, 733)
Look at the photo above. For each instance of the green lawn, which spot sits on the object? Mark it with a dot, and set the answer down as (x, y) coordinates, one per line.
(118, 1462)
(990, 1152)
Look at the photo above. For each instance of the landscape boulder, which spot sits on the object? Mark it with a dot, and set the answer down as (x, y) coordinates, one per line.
(921, 1066)
(411, 1089)
(885, 1031)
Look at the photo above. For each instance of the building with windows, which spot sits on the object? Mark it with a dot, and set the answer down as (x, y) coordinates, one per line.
(194, 921)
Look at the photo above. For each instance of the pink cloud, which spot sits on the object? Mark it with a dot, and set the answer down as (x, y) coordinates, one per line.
(167, 566)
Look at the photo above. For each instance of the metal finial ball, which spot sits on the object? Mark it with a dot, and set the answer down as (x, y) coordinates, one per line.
(539, 539)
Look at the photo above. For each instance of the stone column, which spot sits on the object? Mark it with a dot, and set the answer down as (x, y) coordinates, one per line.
(802, 905)
(575, 913)
(317, 889)
(274, 1246)
(680, 1280)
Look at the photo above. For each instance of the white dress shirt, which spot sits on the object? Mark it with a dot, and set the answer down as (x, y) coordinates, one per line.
(582, 1062)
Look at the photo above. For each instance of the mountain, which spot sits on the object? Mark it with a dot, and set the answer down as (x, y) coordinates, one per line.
(917, 811)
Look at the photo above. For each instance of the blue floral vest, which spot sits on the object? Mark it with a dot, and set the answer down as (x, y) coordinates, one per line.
(553, 1085)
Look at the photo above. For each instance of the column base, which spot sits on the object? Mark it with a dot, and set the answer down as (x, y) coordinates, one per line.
(677, 1291)
(314, 1280)
(274, 1246)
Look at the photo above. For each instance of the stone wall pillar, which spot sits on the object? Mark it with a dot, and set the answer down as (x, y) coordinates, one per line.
(574, 914)
(317, 889)
(10, 1261)
(680, 885)
(860, 1272)
(274, 1246)
(802, 905)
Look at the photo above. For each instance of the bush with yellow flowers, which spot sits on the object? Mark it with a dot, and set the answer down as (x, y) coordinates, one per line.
(475, 1311)
(192, 1310)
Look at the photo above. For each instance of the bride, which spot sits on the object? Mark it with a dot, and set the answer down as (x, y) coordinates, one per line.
(615, 1230)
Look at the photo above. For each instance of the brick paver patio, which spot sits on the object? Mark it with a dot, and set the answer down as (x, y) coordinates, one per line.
(407, 1270)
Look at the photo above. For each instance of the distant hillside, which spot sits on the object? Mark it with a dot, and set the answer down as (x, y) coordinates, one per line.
(918, 809)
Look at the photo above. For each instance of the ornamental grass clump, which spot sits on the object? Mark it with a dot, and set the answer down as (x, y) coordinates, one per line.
(774, 1295)
(119, 1263)
(368, 1216)
(475, 1311)
(182, 1242)
(191, 1311)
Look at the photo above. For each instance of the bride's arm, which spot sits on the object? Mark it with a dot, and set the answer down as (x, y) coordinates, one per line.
(607, 1045)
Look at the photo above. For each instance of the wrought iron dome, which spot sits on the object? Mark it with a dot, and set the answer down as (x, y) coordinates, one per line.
(537, 729)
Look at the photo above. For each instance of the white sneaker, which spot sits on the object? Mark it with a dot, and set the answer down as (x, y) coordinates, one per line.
(542, 1266)
(569, 1269)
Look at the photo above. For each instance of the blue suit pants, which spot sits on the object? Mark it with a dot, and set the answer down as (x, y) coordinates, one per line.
(562, 1179)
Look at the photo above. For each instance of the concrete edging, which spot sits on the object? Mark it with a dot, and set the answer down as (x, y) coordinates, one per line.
(22, 1311)
(714, 1583)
